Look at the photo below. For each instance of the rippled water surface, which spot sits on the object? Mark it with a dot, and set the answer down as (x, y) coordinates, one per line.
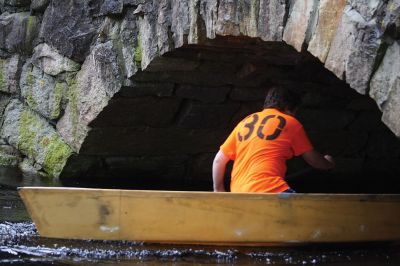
(20, 244)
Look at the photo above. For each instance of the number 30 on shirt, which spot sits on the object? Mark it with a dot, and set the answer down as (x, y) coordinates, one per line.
(251, 126)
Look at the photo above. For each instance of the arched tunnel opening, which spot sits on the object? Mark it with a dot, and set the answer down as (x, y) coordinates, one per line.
(163, 129)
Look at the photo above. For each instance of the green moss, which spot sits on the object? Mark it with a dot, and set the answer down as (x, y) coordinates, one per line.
(73, 105)
(32, 140)
(138, 50)
(30, 26)
(29, 91)
(8, 160)
(27, 134)
(58, 93)
(56, 156)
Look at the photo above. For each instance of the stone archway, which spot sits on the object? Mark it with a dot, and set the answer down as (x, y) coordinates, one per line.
(117, 42)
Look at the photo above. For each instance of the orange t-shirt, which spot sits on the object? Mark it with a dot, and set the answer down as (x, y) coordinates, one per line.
(260, 145)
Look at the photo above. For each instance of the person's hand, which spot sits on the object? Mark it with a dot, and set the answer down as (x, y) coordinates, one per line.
(329, 158)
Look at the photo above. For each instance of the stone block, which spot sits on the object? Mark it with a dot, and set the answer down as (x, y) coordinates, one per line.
(18, 32)
(263, 19)
(51, 62)
(10, 71)
(329, 14)
(143, 111)
(39, 5)
(203, 93)
(202, 166)
(391, 109)
(354, 49)
(17, 3)
(367, 121)
(70, 34)
(196, 115)
(299, 22)
(34, 138)
(140, 89)
(172, 64)
(148, 141)
(156, 167)
(111, 7)
(42, 92)
(248, 94)
(95, 84)
(383, 144)
(325, 119)
(341, 143)
(384, 79)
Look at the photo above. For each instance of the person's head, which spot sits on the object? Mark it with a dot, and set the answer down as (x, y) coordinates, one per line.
(282, 99)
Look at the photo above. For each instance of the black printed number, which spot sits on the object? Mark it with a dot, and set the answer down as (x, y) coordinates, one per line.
(251, 124)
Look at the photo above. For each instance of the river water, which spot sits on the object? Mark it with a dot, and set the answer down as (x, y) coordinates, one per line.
(20, 244)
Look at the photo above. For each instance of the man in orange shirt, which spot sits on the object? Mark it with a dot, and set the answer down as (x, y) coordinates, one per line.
(260, 145)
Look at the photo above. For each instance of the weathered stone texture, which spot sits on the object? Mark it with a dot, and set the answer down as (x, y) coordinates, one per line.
(329, 15)
(391, 109)
(384, 78)
(18, 31)
(39, 5)
(96, 83)
(354, 49)
(42, 92)
(68, 26)
(298, 23)
(10, 70)
(51, 62)
(34, 137)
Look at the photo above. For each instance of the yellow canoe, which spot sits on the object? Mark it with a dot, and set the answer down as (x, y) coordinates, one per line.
(212, 218)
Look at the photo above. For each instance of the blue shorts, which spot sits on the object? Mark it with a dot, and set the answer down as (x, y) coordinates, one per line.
(289, 190)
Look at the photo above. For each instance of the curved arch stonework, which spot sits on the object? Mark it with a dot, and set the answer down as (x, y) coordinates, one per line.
(57, 72)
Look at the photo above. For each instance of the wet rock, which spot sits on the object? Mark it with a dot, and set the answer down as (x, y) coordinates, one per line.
(96, 83)
(10, 70)
(9, 156)
(18, 32)
(51, 62)
(42, 92)
(35, 138)
(329, 14)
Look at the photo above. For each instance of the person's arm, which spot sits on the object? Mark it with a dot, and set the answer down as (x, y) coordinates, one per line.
(218, 171)
(316, 160)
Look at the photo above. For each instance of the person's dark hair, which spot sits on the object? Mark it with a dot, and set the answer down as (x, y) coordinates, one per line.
(281, 98)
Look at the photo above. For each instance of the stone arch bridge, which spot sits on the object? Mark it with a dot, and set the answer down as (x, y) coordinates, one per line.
(149, 89)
